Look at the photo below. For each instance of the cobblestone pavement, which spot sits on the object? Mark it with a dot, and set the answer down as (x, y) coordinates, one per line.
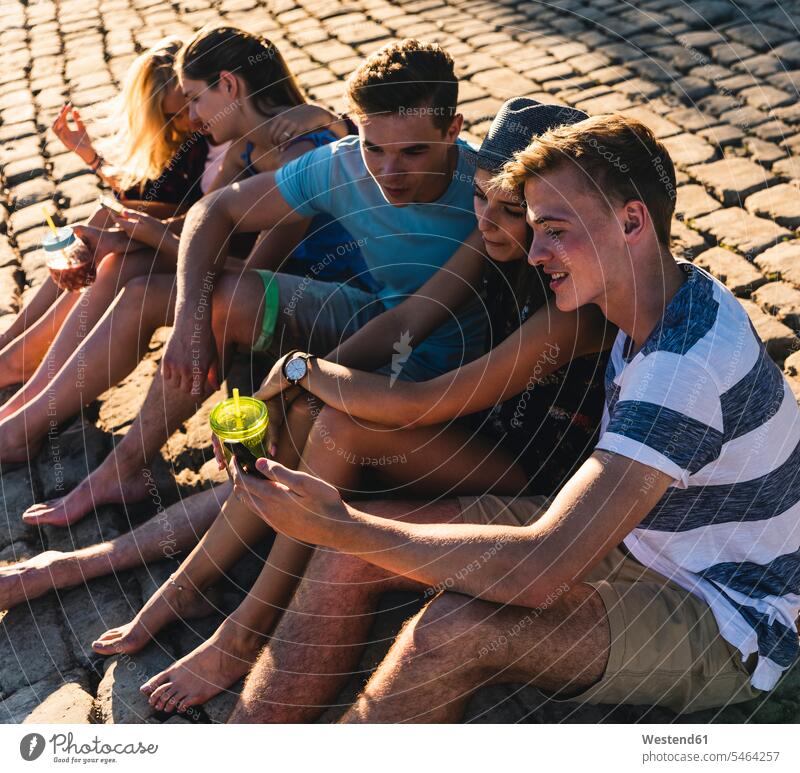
(717, 81)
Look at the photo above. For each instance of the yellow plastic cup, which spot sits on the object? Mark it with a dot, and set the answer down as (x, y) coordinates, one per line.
(241, 435)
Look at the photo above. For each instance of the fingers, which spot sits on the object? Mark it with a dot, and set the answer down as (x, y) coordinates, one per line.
(122, 223)
(59, 121)
(76, 116)
(218, 453)
(86, 234)
(213, 374)
(273, 435)
(246, 487)
(299, 482)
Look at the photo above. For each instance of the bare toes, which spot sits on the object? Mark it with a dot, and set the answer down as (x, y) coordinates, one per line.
(156, 681)
(160, 692)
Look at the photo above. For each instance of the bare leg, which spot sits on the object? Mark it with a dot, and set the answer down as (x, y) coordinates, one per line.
(119, 477)
(457, 644)
(319, 640)
(39, 305)
(230, 535)
(37, 325)
(174, 530)
(118, 340)
(228, 655)
(76, 316)
(433, 461)
(471, 467)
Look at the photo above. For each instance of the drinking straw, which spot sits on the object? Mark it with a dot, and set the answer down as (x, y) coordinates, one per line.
(50, 221)
(237, 409)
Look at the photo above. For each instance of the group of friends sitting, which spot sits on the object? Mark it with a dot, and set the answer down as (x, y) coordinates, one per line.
(492, 384)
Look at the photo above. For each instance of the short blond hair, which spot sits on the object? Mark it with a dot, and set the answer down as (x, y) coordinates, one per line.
(620, 157)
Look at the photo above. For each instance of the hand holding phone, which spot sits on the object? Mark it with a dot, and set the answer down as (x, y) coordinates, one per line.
(246, 459)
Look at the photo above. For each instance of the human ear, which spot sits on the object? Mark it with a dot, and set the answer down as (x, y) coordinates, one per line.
(455, 127)
(635, 219)
(229, 84)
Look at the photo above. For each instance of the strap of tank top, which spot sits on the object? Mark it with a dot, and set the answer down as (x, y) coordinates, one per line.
(319, 137)
(247, 156)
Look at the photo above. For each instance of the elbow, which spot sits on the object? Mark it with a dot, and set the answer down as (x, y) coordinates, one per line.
(538, 595)
(212, 206)
(528, 580)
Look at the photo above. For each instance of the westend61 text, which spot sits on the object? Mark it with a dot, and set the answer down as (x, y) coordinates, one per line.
(676, 739)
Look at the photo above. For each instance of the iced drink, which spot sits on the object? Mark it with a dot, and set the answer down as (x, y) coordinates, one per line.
(240, 424)
(70, 261)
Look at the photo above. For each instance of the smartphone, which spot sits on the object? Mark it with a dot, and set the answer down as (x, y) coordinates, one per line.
(246, 459)
(109, 202)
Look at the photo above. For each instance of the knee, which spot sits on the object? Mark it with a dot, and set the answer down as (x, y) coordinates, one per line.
(110, 268)
(222, 305)
(134, 293)
(450, 624)
(304, 410)
(336, 425)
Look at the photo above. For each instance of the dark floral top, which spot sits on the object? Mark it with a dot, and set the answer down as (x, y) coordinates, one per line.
(551, 427)
(179, 183)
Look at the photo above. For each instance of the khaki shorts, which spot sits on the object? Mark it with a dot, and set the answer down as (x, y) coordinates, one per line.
(666, 649)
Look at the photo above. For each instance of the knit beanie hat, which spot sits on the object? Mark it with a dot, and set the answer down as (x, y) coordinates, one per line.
(520, 120)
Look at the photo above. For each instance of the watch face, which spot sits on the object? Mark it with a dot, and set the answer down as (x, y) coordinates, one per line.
(296, 369)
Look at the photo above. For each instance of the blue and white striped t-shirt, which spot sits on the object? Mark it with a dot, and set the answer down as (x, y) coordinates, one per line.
(703, 403)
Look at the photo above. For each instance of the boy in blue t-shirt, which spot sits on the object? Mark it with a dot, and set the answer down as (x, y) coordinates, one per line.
(665, 571)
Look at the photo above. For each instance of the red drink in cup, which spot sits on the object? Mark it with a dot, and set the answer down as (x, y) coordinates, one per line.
(70, 261)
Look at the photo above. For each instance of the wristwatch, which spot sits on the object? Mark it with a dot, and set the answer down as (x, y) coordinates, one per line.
(295, 367)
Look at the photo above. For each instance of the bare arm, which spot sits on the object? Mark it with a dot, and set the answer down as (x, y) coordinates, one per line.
(545, 343)
(244, 207)
(449, 288)
(596, 509)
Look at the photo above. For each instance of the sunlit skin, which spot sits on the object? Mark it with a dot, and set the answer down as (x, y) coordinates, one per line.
(409, 156)
(501, 219)
(176, 109)
(216, 107)
(596, 249)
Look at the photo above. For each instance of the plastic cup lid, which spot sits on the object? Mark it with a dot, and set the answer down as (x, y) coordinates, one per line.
(252, 421)
(63, 237)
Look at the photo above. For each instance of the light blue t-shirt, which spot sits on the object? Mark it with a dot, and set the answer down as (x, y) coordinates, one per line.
(403, 247)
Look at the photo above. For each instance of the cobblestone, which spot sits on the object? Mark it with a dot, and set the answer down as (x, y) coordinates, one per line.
(738, 273)
(732, 180)
(781, 262)
(734, 227)
(781, 204)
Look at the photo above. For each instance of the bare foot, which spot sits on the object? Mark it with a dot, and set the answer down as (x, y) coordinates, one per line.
(102, 487)
(168, 603)
(29, 579)
(206, 671)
